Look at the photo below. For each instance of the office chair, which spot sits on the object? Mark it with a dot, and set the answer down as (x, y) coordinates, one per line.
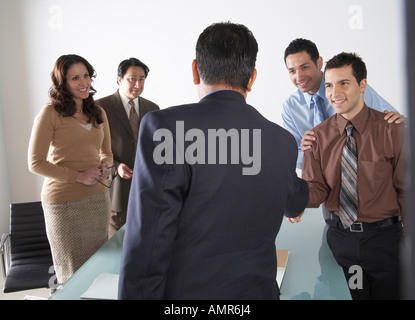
(25, 252)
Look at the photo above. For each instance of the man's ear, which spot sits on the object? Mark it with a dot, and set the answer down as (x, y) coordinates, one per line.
(196, 77)
(363, 85)
(320, 63)
(252, 80)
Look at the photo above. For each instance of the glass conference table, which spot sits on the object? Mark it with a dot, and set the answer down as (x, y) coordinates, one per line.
(311, 272)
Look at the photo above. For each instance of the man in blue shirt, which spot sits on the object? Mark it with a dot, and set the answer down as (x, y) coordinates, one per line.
(308, 106)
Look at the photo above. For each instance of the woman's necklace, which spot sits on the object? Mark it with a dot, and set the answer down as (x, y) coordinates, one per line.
(79, 115)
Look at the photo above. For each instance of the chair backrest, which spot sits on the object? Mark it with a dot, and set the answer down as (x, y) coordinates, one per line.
(27, 231)
(31, 264)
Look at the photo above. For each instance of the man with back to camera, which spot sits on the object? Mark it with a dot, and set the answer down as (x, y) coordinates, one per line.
(357, 167)
(204, 226)
(125, 108)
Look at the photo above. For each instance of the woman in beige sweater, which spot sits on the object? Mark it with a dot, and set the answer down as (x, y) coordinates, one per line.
(70, 146)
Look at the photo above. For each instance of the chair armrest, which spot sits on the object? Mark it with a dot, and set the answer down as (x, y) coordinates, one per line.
(4, 238)
(5, 254)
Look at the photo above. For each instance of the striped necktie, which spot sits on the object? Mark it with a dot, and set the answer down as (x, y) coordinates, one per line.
(134, 120)
(318, 112)
(348, 203)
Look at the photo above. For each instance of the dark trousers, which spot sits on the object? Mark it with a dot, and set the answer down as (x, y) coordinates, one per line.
(117, 220)
(375, 252)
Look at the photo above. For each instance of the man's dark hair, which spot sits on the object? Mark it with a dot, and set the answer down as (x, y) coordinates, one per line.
(348, 59)
(300, 45)
(125, 64)
(226, 54)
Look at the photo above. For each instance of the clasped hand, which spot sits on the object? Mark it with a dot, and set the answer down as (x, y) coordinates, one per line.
(91, 176)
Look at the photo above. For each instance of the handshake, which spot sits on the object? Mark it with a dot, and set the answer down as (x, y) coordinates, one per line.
(296, 219)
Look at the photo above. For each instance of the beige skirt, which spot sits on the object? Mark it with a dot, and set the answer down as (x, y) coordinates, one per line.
(76, 230)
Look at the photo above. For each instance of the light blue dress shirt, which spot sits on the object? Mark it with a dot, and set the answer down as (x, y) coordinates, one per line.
(298, 115)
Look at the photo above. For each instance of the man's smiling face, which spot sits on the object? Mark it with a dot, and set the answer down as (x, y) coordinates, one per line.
(304, 73)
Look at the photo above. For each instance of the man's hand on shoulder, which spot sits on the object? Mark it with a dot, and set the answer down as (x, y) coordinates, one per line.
(392, 116)
(307, 140)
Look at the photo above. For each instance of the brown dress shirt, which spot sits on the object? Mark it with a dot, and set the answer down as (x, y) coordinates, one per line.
(381, 165)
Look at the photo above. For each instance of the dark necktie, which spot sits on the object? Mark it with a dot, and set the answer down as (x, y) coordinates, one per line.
(348, 203)
(134, 120)
(318, 112)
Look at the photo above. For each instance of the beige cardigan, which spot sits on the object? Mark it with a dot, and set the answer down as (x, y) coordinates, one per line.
(60, 148)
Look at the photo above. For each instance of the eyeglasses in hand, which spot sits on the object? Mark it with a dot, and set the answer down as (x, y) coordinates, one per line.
(112, 177)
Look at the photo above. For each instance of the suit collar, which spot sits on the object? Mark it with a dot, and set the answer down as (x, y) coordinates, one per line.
(120, 112)
(224, 95)
(119, 105)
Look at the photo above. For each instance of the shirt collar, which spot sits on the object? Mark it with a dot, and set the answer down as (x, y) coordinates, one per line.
(358, 121)
(125, 100)
(321, 93)
(215, 91)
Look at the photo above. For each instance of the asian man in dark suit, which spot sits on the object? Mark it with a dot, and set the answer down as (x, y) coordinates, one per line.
(214, 182)
(131, 77)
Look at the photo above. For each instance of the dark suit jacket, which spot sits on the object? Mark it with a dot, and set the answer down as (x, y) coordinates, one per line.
(122, 143)
(206, 231)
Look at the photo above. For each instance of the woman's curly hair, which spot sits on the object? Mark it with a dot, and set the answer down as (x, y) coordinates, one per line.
(62, 99)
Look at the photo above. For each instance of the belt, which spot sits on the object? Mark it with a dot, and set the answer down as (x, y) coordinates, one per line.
(334, 221)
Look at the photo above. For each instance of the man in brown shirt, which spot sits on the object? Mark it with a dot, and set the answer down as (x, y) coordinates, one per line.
(371, 243)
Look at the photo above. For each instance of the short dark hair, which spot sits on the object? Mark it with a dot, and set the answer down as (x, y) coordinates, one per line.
(226, 53)
(125, 64)
(299, 45)
(348, 59)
